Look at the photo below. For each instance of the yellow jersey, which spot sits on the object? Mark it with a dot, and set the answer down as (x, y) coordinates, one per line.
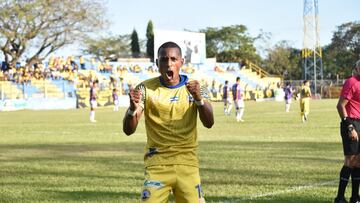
(170, 120)
(305, 92)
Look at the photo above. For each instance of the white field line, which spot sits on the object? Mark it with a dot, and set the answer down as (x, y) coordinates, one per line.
(292, 189)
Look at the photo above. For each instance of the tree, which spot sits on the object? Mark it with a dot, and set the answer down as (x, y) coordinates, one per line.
(135, 47)
(40, 27)
(110, 48)
(283, 60)
(343, 51)
(231, 43)
(150, 40)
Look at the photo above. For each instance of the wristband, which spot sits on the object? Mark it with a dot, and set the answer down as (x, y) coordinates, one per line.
(346, 121)
(131, 113)
(199, 103)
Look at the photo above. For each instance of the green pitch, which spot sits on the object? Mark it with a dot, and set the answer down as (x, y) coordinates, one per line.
(59, 156)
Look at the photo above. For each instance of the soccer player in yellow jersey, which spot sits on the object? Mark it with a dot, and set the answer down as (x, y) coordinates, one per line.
(170, 104)
(305, 96)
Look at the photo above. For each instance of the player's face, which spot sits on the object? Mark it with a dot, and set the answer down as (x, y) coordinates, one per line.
(169, 62)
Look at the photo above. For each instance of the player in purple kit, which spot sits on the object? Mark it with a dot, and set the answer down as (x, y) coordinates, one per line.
(238, 100)
(227, 99)
(288, 90)
(349, 111)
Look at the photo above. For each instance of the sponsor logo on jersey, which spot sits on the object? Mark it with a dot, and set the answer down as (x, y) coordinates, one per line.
(153, 183)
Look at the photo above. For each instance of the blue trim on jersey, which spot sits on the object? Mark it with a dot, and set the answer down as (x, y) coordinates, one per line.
(183, 81)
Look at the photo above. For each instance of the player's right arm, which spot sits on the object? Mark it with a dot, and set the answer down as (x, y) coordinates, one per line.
(134, 112)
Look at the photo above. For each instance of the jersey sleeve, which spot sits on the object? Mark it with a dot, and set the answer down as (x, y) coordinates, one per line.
(346, 91)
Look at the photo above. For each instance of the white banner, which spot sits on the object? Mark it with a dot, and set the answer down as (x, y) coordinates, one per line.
(192, 44)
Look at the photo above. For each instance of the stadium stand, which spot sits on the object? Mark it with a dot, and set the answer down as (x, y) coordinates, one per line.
(59, 78)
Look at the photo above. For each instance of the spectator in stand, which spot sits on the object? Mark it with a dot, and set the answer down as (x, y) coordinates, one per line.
(93, 63)
(82, 63)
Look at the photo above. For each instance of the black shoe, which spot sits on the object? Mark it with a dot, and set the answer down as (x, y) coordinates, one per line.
(338, 200)
(354, 200)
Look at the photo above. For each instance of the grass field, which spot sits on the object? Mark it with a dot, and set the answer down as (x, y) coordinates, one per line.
(59, 156)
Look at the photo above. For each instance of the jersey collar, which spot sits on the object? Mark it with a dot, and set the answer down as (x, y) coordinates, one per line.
(183, 81)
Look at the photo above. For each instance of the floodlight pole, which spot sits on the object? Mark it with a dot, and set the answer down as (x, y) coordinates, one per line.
(311, 52)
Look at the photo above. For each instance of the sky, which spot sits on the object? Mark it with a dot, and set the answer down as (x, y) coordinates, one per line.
(282, 18)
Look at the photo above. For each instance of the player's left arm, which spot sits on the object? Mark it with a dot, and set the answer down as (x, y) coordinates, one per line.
(201, 97)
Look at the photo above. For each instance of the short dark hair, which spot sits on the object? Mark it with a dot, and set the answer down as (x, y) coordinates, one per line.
(169, 45)
(237, 78)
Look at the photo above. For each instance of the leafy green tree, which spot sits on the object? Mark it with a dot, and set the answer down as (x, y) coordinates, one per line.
(283, 60)
(230, 43)
(150, 40)
(110, 48)
(37, 28)
(343, 51)
(135, 46)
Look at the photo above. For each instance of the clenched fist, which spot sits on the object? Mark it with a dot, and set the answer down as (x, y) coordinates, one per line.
(194, 89)
(135, 99)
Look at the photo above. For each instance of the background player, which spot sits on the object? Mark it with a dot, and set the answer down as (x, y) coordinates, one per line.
(288, 90)
(115, 99)
(226, 98)
(93, 102)
(238, 100)
(305, 95)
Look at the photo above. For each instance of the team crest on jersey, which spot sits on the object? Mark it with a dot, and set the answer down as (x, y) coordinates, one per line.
(145, 194)
(174, 99)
